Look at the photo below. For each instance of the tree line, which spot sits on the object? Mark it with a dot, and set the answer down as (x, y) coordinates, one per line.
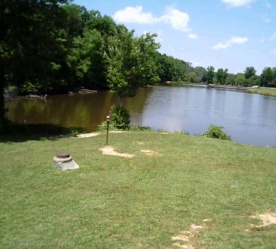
(247, 78)
(54, 46)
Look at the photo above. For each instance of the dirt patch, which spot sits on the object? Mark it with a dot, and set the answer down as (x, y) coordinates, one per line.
(182, 240)
(141, 142)
(267, 219)
(117, 132)
(108, 150)
(149, 152)
(93, 134)
(144, 142)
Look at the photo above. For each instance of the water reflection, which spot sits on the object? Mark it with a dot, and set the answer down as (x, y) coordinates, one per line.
(84, 111)
(247, 118)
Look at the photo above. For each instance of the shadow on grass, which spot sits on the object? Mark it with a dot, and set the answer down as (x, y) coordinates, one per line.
(21, 133)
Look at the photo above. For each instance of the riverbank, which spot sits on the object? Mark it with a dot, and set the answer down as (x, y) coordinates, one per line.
(264, 91)
(174, 190)
(226, 87)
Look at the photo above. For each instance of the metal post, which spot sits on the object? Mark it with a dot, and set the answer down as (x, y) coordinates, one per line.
(107, 128)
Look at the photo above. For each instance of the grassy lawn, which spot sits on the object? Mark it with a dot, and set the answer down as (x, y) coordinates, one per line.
(264, 90)
(148, 201)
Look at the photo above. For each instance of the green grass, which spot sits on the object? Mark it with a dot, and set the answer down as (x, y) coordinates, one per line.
(264, 90)
(114, 202)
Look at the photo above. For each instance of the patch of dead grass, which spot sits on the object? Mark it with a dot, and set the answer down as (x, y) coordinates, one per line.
(183, 238)
(108, 150)
(266, 219)
(85, 135)
(149, 152)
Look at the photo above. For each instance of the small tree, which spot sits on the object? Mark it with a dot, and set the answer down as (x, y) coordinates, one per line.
(130, 62)
(120, 117)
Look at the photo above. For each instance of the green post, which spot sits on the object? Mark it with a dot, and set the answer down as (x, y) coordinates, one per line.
(107, 128)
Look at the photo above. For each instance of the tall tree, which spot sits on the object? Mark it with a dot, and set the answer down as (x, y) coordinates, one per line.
(221, 76)
(210, 75)
(85, 59)
(76, 18)
(266, 77)
(273, 83)
(200, 74)
(30, 39)
(249, 72)
(130, 62)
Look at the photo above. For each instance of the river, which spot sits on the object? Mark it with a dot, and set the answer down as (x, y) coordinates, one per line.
(247, 118)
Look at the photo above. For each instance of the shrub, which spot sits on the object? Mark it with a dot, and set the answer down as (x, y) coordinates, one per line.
(119, 117)
(140, 128)
(216, 132)
(29, 88)
(103, 127)
(12, 90)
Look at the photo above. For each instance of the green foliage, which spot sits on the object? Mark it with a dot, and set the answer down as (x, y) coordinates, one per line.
(192, 77)
(29, 88)
(140, 128)
(230, 80)
(216, 132)
(119, 117)
(103, 127)
(200, 74)
(268, 77)
(210, 74)
(240, 80)
(172, 69)
(12, 91)
(221, 76)
(85, 59)
(249, 72)
(130, 62)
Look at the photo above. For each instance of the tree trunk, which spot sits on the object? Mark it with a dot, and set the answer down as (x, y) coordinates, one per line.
(2, 101)
(121, 102)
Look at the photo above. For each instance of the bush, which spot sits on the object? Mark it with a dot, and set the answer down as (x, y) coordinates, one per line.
(103, 127)
(140, 128)
(29, 88)
(216, 132)
(119, 117)
(11, 90)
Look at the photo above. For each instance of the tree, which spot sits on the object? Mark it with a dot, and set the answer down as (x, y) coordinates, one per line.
(240, 80)
(273, 84)
(249, 72)
(130, 62)
(210, 75)
(76, 18)
(165, 67)
(172, 69)
(200, 74)
(266, 77)
(221, 76)
(86, 59)
(30, 43)
(192, 77)
(230, 80)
